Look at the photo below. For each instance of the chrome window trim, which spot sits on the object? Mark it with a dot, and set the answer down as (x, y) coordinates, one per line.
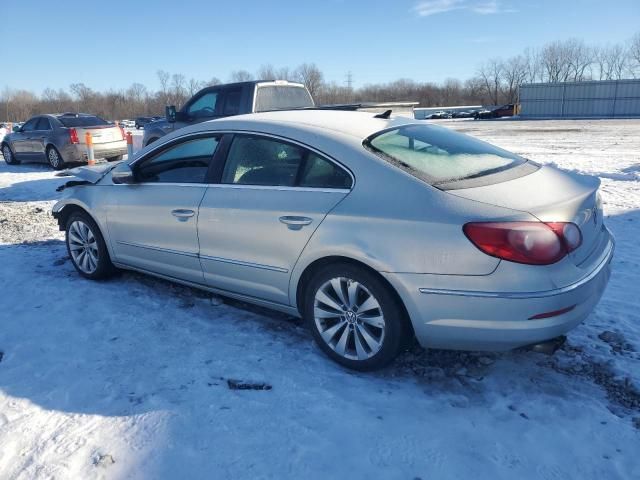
(527, 295)
(205, 133)
(278, 187)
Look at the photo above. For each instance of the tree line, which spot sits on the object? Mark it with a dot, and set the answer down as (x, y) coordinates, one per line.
(496, 82)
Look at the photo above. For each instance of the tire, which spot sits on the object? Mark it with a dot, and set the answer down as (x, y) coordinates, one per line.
(117, 158)
(86, 247)
(358, 339)
(9, 157)
(137, 127)
(54, 158)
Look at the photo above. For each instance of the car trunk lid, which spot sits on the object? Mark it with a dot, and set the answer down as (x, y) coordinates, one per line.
(100, 134)
(550, 195)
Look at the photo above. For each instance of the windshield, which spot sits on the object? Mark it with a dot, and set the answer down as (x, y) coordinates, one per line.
(282, 97)
(84, 121)
(438, 156)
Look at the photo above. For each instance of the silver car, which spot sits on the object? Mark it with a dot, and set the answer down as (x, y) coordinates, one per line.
(373, 229)
(61, 139)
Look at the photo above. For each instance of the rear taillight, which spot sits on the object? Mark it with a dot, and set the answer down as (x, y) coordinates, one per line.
(73, 136)
(533, 243)
(122, 133)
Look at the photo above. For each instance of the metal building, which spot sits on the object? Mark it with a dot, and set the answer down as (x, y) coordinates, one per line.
(592, 99)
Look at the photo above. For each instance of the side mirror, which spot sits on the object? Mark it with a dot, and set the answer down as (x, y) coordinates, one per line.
(122, 174)
(17, 129)
(170, 113)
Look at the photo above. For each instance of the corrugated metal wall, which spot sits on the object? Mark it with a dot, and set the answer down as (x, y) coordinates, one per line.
(594, 99)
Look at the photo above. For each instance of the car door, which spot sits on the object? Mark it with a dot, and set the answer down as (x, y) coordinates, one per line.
(253, 224)
(21, 140)
(153, 226)
(39, 136)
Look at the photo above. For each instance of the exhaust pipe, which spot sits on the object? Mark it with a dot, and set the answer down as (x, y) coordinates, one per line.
(548, 347)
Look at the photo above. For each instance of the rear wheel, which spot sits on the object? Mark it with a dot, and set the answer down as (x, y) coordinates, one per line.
(86, 247)
(354, 316)
(117, 158)
(54, 158)
(9, 158)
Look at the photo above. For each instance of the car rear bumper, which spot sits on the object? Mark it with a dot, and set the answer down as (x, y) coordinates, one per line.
(489, 320)
(78, 153)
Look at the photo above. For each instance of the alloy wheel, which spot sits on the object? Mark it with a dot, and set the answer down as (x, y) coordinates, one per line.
(349, 318)
(83, 247)
(54, 158)
(8, 156)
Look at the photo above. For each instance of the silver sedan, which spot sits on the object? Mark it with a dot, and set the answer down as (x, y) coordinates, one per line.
(373, 229)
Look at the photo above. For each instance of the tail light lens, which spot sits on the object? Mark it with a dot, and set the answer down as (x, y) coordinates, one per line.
(122, 133)
(73, 136)
(533, 243)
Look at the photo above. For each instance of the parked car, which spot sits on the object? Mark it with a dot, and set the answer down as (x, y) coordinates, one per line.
(503, 111)
(439, 115)
(372, 229)
(60, 139)
(463, 114)
(230, 99)
(140, 122)
(126, 124)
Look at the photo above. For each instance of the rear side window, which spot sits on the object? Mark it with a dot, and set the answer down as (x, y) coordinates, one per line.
(43, 124)
(281, 97)
(82, 121)
(439, 156)
(187, 162)
(254, 160)
(321, 173)
(232, 102)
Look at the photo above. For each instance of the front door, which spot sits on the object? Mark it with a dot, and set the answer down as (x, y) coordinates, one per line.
(254, 224)
(21, 140)
(154, 224)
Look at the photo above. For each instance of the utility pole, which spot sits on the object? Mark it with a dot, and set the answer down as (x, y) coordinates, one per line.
(349, 80)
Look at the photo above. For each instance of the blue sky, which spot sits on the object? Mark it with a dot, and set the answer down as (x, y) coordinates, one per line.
(113, 43)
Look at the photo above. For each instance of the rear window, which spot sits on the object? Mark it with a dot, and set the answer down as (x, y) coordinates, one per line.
(439, 156)
(282, 97)
(84, 121)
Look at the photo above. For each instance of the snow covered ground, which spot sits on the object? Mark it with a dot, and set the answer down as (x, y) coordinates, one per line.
(133, 377)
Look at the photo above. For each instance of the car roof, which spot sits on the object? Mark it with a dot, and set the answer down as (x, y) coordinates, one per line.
(356, 124)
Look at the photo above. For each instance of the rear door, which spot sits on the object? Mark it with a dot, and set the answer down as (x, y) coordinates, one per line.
(154, 224)
(253, 225)
(39, 138)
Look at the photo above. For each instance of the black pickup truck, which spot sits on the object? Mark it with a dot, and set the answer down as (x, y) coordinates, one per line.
(230, 99)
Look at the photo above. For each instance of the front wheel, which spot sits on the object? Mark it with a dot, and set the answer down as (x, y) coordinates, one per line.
(87, 248)
(354, 316)
(54, 158)
(8, 155)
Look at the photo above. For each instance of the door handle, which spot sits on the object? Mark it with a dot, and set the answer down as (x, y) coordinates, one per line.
(295, 223)
(182, 214)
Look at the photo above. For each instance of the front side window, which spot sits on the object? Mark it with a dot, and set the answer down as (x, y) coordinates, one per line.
(187, 162)
(205, 106)
(30, 125)
(254, 160)
(439, 156)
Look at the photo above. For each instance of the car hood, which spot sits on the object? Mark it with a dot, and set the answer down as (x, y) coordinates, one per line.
(91, 174)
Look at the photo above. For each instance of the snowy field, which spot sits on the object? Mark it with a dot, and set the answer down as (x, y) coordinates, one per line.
(133, 377)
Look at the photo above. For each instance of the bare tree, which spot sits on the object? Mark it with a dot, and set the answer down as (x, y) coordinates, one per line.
(240, 76)
(163, 78)
(193, 86)
(311, 76)
(514, 73)
(491, 74)
(633, 55)
(611, 62)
